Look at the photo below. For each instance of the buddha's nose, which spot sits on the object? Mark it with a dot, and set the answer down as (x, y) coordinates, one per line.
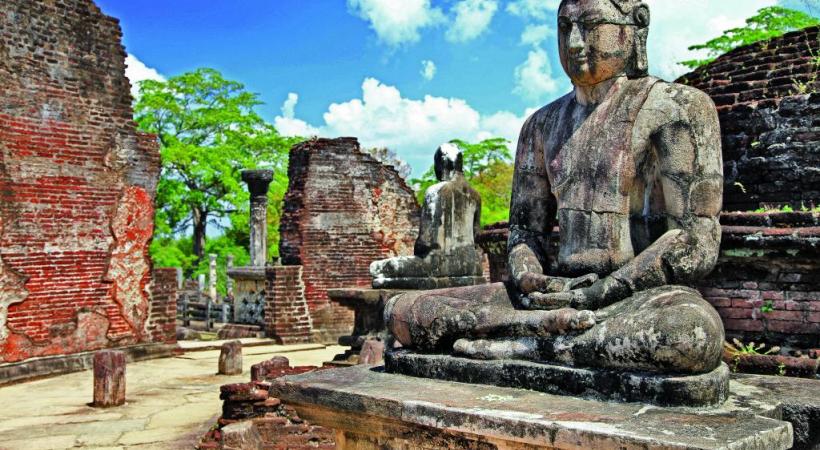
(576, 41)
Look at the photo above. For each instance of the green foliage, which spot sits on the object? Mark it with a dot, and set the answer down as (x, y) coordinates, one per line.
(739, 348)
(768, 23)
(488, 168)
(171, 252)
(209, 131)
(767, 307)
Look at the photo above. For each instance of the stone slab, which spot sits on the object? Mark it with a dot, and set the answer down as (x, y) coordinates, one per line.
(368, 406)
(428, 283)
(57, 365)
(708, 389)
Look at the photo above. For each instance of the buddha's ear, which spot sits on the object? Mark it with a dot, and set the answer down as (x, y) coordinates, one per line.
(641, 15)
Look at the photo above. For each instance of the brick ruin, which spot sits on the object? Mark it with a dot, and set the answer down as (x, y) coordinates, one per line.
(343, 210)
(77, 182)
(769, 107)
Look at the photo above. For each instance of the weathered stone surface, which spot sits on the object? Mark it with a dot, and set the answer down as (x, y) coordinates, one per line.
(241, 436)
(629, 168)
(258, 183)
(230, 358)
(187, 334)
(269, 369)
(372, 406)
(109, 378)
(709, 389)
(77, 184)
(445, 253)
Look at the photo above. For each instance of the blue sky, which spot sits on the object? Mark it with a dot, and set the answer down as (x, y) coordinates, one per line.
(406, 74)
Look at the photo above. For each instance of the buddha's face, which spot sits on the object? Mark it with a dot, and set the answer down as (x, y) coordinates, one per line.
(595, 41)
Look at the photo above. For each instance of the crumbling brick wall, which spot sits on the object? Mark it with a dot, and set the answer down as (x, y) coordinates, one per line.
(343, 210)
(77, 183)
(769, 107)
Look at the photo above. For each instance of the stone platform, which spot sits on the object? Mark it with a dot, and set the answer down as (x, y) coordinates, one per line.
(709, 389)
(371, 409)
(427, 283)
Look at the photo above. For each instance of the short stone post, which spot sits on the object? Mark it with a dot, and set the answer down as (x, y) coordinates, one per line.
(208, 309)
(212, 277)
(225, 313)
(230, 358)
(258, 183)
(109, 378)
(186, 317)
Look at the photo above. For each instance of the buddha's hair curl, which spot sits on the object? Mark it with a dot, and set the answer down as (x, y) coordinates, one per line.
(638, 12)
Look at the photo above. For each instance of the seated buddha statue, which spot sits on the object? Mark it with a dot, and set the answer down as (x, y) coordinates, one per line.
(629, 167)
(445, 253)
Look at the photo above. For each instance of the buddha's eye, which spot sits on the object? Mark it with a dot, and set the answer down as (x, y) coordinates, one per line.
(564, 25)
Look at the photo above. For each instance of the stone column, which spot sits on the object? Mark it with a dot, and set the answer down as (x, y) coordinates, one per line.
(229, 281)
(258, 183)
(109, 378)
(200, 281)
(212, 276)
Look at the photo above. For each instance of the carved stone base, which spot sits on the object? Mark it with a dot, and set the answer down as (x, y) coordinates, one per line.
(374, 410)
(426, 283)
(709, 389)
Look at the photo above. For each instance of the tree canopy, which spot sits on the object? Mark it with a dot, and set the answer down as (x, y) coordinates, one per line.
(209, 132)
(488, 167)
(768, 23)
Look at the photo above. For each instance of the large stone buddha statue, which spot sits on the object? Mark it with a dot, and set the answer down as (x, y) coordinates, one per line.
(629, 167)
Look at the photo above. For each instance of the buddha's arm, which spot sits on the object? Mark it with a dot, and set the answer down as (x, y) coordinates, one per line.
(532, 213)
(690, 166)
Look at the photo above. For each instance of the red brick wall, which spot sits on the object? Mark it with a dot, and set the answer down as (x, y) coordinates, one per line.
(769, 107)
(77, 183)
(286, 312)
(161, 325)
(343, 210)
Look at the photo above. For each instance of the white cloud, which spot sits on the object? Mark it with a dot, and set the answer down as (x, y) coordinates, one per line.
(676, 25)
(533, 78)
(288, 125)
(534, 9)
(428, 70)
(472, 19)
(397, 22)
(536, 34)
(136, 71)
(413, 128)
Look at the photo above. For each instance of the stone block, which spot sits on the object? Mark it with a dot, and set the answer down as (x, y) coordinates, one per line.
(270, 368)
(378, 410)
(372, 352)
(109, 378)
(230, 358)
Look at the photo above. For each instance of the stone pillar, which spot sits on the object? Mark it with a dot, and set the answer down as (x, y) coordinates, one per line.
(229, 281)
(109, 378)
(258, 183)
(230, 358)
(201, 284)
(212, 277)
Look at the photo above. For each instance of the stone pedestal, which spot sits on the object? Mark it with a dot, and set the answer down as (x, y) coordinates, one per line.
(109, 378)
(230, 358)
(370, 409)
(368, 308)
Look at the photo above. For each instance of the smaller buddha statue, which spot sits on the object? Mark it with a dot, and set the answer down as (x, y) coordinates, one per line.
(445, 254)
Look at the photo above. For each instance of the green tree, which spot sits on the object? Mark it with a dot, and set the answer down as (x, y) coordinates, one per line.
(768, 23)
(488, 167)
(208, 131)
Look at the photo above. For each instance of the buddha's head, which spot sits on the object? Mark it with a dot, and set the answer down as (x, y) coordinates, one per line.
(448, 161)
(602, 39)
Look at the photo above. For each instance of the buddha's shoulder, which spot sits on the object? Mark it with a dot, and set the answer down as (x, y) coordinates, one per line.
(678, 102)
(548, 112)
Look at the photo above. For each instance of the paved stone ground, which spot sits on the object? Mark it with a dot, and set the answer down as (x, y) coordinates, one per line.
(170, 403)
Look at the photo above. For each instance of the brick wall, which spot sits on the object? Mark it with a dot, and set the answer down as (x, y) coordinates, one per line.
(77, 183)
(286, 311)
(343, 210)
(162, 316)
(769, 108)
(766, 285)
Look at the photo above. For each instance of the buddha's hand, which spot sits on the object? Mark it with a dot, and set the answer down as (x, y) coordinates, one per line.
(561, 294)
(544, 284)
(600, 293)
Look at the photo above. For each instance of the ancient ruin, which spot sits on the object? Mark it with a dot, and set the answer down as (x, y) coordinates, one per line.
(77, 184)
(445, 253)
